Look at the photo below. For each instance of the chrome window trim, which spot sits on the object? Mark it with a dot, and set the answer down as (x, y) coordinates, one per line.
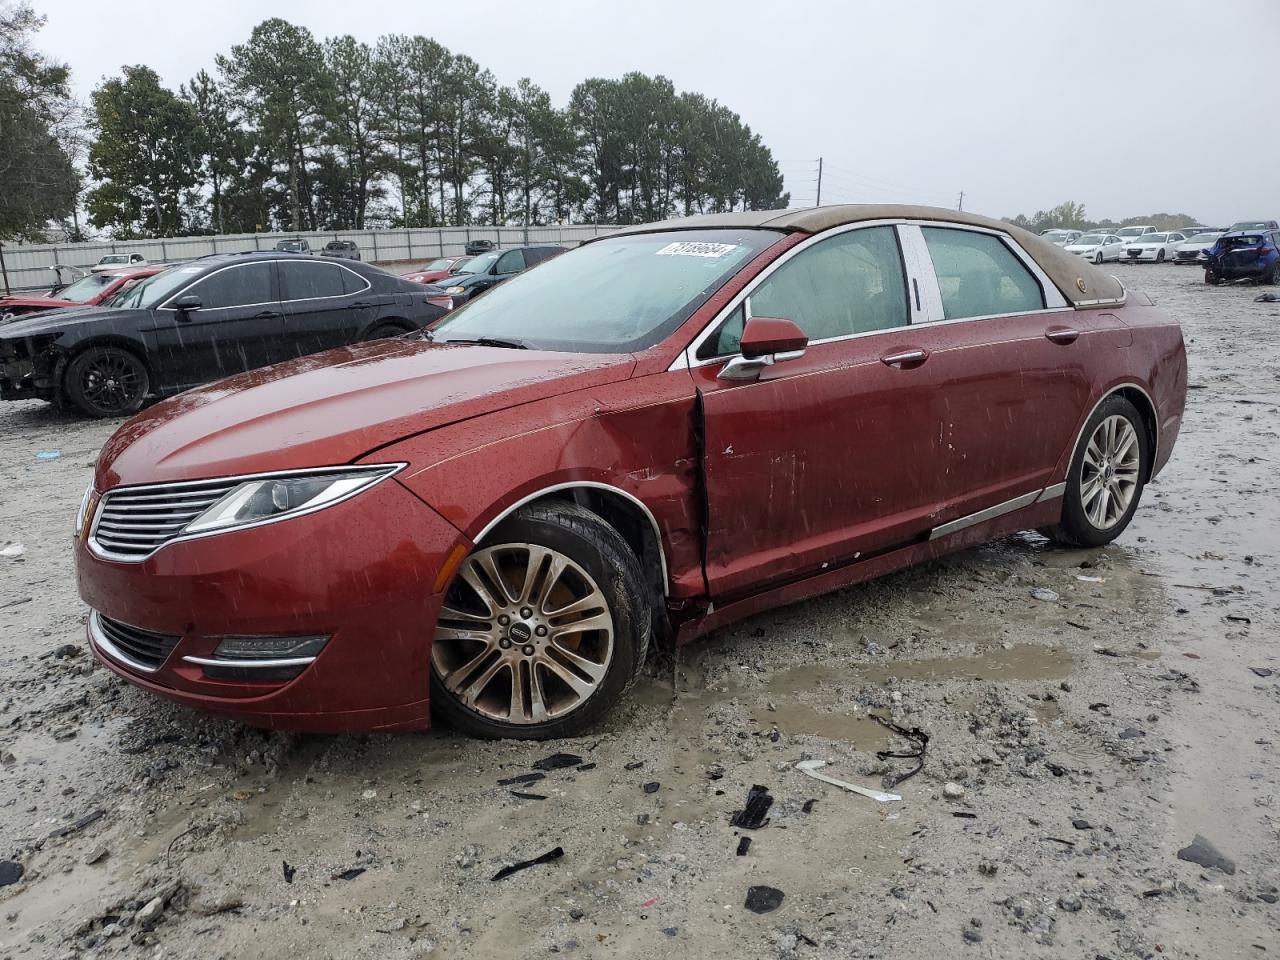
(99, 639)
(201, 279)
(910, 241)
(104, 554)
(332, 296)
(594, 485)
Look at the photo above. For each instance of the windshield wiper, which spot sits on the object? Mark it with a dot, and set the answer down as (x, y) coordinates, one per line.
(493, 342)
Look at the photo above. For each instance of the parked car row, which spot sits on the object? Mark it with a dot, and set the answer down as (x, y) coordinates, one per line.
(191, 323)
(90, 290)
(465, 278)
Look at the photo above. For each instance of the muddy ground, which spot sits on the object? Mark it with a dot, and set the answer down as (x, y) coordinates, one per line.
(1076, 745)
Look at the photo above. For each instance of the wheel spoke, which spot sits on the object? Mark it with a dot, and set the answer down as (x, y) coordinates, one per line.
(559, 564)
(454, 679)
(583, 688)
(516, 710)
(601, 621)
(537, 558)
(464, 616)
(471, 574)
(472, 691)
(488, 562)
(595, 671)
(592, 601)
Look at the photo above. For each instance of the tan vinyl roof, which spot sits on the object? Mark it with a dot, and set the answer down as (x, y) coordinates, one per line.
(1083, 284)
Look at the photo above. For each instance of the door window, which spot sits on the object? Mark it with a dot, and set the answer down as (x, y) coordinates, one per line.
(352, 282)
(239, 286)
(309, 281)
(979, 276)
(847, 284)
(511, 262)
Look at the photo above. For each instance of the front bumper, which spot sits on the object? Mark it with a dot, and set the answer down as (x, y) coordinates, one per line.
(362, 573)
(21, 380)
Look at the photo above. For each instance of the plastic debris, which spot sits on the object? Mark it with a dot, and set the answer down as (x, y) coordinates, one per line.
(48, 454)
(79, 825)
(523, 778)
(549, 857)
(808, 805)
(558, 761)
(1262, 671)
(288, 871)
(10, 872)
(12, 551)
(764, 899)
(349, 874)
(1204, 853)
(634, 765)
(756, 812)
(811, 767)
(921, 745)
(744, 844)
(1267, 298)
(651, 787)
(1041, 593)
(519, 794)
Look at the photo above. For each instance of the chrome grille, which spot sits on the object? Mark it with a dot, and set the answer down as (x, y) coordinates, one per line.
(145, 649)
(134, 522)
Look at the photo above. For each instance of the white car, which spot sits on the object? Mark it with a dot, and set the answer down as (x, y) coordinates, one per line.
(1060, 237)
(1130, 234)
(1156, 247)
(114, 261)
(1191, 251)
(1097, 247)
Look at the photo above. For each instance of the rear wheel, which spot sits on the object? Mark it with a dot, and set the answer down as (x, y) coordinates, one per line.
(107, 381)
(1272, 276)
(1107, 476)
(543, 629)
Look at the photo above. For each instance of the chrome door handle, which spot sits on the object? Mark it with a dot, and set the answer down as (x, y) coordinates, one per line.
(1062, 335)
(905, 358)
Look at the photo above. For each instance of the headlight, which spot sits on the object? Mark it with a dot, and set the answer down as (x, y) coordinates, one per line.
(268, 499)
(455, 290)
(87, 503)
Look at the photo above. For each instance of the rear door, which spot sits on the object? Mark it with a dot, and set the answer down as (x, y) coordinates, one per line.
(236, 328)
(1011, 360)
(831, 456)
(325, 305)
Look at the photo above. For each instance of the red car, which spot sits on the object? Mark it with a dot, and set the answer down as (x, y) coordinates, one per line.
(88, 291)
(438, 270)
(652, 436)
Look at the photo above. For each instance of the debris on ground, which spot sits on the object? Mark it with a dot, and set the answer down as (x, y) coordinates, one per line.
(921, 745)
(523, 778)
(1045, 594)
(1204, 853)
(10, 872)
(1262, 671)
(651, 787)
(288, 870)
(350, 873)
(763, 899)
(558, 761)
(744, 844)
(48, 454)
(549, 857)
(755, 814)
(811, 767)
(521, 795)
(11, 551)
(78, 825)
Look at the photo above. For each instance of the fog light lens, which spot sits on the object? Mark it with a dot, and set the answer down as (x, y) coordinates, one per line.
(269, 648)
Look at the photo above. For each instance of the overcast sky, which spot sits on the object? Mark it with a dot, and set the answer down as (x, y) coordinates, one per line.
(1129, 108)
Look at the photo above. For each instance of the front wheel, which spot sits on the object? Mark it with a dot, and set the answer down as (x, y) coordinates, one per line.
(1272, 276)
(1097, 258)
(1160, 256)
(1107, 476)
(545, 626)
(1211, 278)
(107, 382)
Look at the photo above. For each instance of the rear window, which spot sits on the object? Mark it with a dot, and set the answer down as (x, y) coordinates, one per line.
(979, 276)
(1234, 243)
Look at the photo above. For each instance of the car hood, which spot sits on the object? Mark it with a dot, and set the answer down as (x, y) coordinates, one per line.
(56, 321)
(49, 303)
(1076, 247)
(335, 407)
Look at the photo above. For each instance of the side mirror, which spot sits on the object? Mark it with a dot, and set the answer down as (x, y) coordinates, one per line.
(188, 304)
(765, 341)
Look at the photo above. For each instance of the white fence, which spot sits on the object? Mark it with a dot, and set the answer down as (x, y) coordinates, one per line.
(28, 265)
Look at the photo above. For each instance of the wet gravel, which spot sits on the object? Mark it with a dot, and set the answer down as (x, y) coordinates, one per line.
(1102, 728)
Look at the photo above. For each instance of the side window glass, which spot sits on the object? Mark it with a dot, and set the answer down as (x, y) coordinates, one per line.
(352, 282)
(511, 262)
(850, 283)
(979, 276)
(240, 286)
(307, 281)
(728, 340)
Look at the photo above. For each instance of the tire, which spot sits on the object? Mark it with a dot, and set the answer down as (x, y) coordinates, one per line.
(1272, 276)
(107, 381)
(1097, 258)
(1089, 520)
(491, 635)
(1159, 256)
(384, 331)
(1211, 278)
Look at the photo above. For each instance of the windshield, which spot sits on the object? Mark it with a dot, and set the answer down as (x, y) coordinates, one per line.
(1204, 237)
(1130, 232)
(480, 264)
(86, 288)
(115, 258)
(461, 265)
(1154, 237)
(1250, 225)
(610, 296)
(1055, 234)
(441, 264)
(1090, 240)
(152, 291)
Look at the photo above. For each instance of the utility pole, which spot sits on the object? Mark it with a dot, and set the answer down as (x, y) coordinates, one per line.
(5, 271)
(961, 206)
(818, 201)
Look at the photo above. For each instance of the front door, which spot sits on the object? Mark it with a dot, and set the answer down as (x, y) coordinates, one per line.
(835, 455)
(236, 327)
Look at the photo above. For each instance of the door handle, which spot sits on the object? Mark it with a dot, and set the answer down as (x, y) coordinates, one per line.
(266, 315)
(905, 358)
(1063, 335)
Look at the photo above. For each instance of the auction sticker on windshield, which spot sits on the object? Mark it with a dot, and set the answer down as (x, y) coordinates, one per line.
(693, 248)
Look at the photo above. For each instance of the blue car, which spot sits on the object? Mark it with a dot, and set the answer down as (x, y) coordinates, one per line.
(1244, 254)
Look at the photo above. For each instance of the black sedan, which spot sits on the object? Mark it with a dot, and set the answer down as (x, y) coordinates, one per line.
(203, 320)
(490, 269)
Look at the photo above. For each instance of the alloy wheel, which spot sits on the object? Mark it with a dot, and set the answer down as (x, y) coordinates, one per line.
(111, 382)
(1110, 472)
(525, 636)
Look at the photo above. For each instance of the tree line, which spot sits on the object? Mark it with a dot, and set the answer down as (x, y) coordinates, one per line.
(292, 132)
(1070, 215)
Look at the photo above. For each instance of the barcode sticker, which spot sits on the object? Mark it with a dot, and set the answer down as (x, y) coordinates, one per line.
(696, 248)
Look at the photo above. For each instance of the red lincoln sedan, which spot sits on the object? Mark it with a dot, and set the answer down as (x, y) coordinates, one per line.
(652, 436)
